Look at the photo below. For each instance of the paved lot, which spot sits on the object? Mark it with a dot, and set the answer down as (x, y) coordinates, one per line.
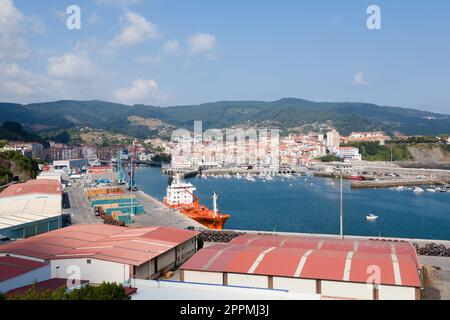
(156, 214)
(78, 207)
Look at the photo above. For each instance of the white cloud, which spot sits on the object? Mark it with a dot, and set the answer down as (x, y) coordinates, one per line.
(359, 79)
(137, 29)
(200, 43)
(141, 91)
(71, 66)
(171, 47)
(12, 28)
(23, 86)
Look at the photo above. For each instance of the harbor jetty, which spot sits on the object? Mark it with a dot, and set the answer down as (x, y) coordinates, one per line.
(392, 183)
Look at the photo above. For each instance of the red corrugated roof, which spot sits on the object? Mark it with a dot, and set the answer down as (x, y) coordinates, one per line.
(51, 187)
(304, 242)
(333, 265)
(11, 267)
(51, 284)
(133, 246)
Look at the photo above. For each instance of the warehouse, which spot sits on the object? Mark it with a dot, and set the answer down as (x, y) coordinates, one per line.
(31, 208)
(333, 244)
(331, 268)
(99, 253)
(16, 272)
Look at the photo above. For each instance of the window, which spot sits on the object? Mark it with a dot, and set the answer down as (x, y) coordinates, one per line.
(88, 261)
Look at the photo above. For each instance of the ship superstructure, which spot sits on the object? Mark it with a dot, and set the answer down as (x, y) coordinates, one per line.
(180, 195)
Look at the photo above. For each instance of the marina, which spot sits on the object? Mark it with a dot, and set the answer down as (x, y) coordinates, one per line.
(307, 204)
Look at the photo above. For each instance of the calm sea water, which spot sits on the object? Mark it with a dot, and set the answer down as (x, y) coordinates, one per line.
(312, 206)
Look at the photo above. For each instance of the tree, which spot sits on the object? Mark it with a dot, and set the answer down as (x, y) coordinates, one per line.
(105, 291)
(12, 126)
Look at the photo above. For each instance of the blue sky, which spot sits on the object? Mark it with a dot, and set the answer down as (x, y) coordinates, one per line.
(172, 52)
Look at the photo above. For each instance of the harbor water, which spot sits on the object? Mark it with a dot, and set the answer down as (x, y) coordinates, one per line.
(311, 205)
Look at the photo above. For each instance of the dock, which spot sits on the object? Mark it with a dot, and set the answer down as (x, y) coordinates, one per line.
(157, 214)
(396, 183)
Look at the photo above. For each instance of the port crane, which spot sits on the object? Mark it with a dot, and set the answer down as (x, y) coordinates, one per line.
(120, 173)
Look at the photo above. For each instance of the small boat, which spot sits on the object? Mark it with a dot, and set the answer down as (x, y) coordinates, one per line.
(400, 188)
(431, 190)
(371, 217)
(356, 178)
(418, 190)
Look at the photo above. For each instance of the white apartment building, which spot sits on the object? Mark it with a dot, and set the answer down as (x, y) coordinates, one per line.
(348, 153)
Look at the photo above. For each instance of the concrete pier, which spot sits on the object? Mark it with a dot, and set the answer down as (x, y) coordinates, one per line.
(396, 183)
(157, 214)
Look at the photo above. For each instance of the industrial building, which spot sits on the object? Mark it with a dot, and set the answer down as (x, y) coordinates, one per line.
(71, 165)
(106, 253)
(17, 272)
(31, 208)
(342, 269)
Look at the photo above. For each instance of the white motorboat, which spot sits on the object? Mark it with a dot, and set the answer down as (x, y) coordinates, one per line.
(418, 190)
(371, 217)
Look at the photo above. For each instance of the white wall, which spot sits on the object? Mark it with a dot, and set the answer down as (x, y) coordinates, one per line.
(396, 293)
(166, 259)
(348, 290)
(295, 285)
(203, 277)
(246, 280)
(36, 275)
(97, 272)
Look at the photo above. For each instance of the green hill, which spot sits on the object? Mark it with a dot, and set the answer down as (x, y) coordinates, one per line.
(284, 113)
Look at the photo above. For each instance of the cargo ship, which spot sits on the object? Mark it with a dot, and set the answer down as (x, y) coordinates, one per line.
(180, 196)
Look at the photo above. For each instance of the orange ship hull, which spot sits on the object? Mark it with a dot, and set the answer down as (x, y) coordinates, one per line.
(202, 215)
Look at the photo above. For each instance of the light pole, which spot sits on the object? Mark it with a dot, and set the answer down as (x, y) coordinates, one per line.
(341, 212)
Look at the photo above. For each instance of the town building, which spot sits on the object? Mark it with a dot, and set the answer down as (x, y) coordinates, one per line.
(31, 208)
(62, 152)
(106, 253)
(333, 139)
(377, 136)
(348, 153)
(332, 268)
(70, 165)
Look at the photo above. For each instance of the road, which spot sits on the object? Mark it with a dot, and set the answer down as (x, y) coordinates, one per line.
(78, 207)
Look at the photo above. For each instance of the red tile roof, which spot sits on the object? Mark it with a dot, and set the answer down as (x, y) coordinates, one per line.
(133, 246)
(51, 187)
(333, 265)
(303, 242)
(11, 267)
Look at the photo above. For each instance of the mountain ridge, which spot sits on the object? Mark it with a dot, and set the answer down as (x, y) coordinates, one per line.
(284, 113)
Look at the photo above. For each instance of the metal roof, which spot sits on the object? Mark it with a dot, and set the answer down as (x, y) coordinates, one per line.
(11, 267)
(46, 187)
(333, 265)
(15, 211)
(304, 242)
(132, 246)
(51, 284)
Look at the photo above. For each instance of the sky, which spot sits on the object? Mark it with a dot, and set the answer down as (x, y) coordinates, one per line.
(178, 52)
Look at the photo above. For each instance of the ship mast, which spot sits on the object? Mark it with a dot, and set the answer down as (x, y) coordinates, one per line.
(214, 197)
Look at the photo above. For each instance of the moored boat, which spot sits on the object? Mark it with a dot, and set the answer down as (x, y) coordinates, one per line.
(180, 196)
